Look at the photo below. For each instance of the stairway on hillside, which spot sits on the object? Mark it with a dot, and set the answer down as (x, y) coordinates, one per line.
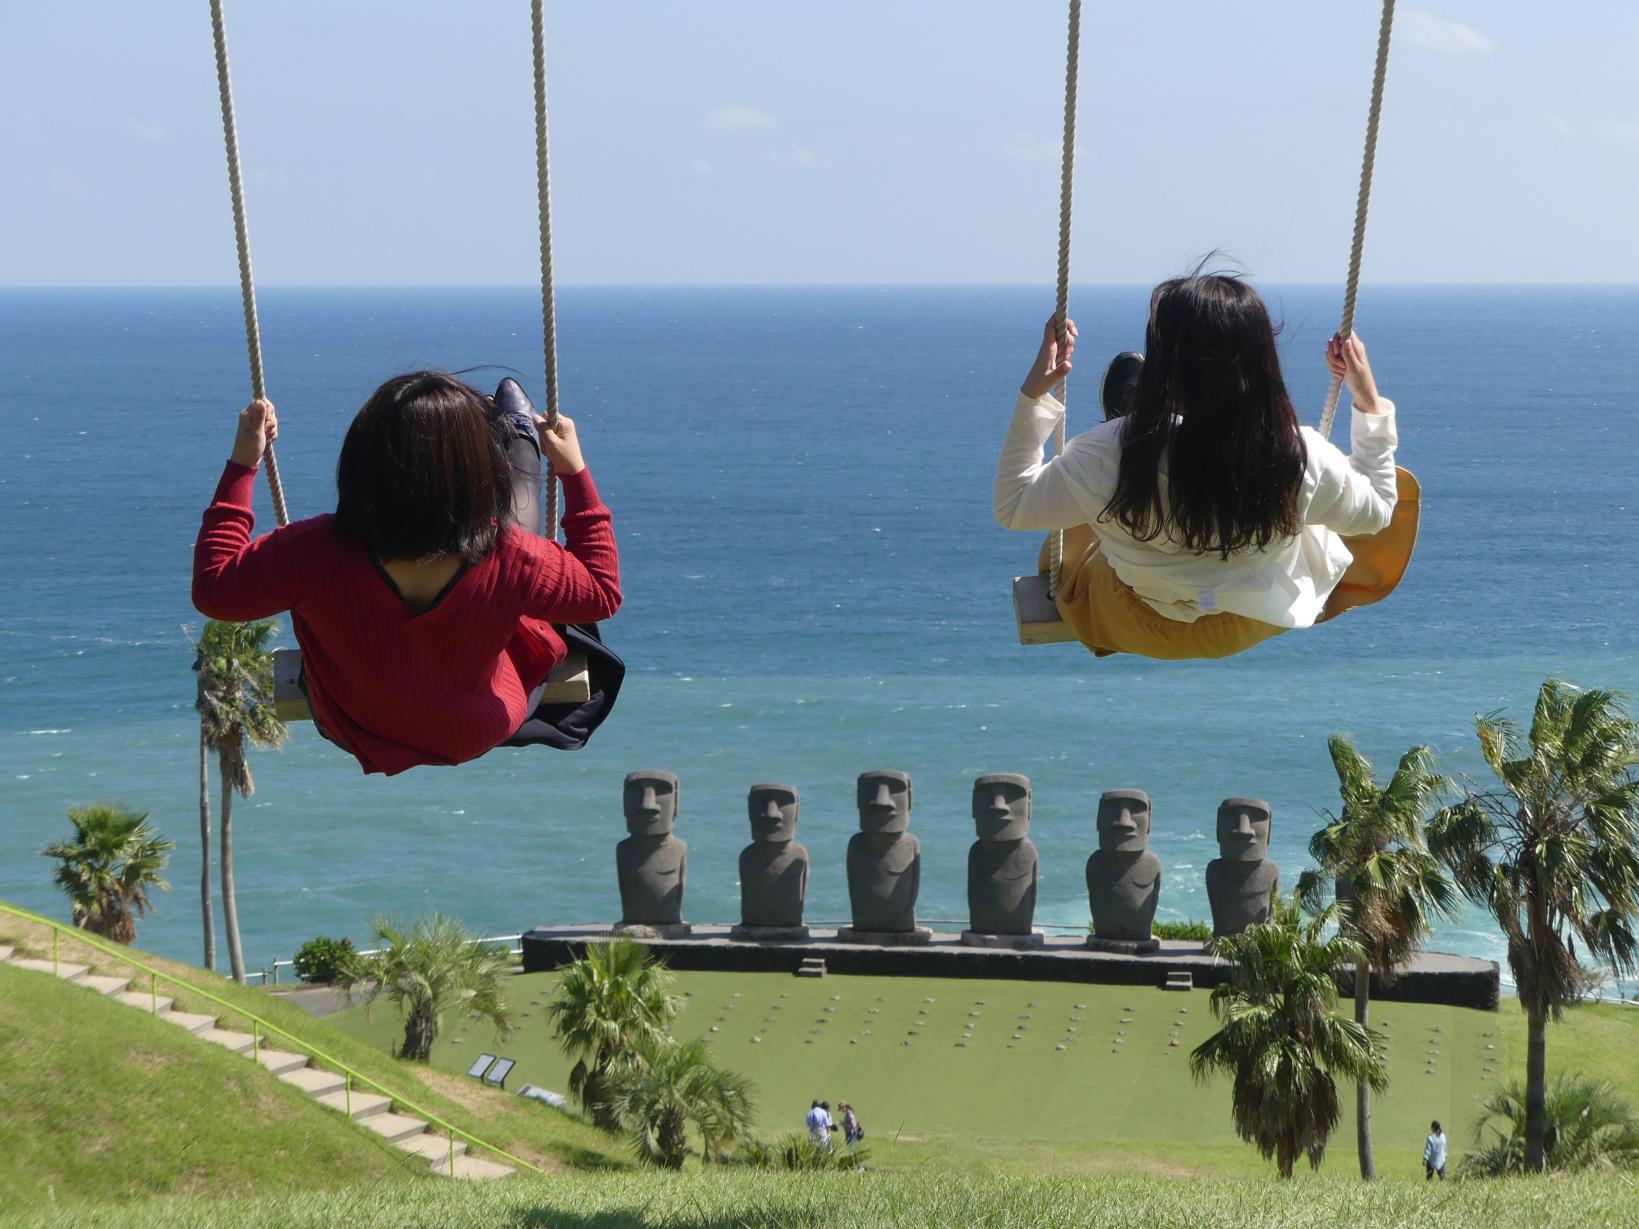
(369, 1110)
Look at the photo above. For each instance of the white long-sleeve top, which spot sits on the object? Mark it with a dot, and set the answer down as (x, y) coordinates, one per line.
(1286, 583)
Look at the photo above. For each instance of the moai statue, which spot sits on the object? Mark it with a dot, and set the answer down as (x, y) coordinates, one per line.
(651, 862)
(1241, 880)
(884, 865)
(773, 868)
(1002, 866)
(1123, 876)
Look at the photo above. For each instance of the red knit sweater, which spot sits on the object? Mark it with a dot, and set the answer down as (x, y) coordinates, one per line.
(396, 688)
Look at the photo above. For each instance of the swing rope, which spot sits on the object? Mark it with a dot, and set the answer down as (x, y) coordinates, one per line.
(241, 236)
(1061, 310)
(1361, 203)
(543, 196)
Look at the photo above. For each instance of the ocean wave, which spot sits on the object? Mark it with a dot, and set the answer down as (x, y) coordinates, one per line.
(50, 731)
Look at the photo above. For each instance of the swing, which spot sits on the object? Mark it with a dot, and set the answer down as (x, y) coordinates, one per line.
(568, 706)
(1380, 559)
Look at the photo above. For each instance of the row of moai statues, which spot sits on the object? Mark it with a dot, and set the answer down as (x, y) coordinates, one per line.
(884, 866)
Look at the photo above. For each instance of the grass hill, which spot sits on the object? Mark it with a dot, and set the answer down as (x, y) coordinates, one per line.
(104, 1103)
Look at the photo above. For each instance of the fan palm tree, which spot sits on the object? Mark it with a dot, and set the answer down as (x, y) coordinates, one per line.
(670, 1087)
(234, 699)
(1282, 1037)
(608, 1003)
(108, 868)
(433, 968)
(1389, 887)
(1589, 1127)
(1554, 856)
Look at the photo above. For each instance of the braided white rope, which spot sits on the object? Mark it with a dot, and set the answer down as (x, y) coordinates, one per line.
(1362, 200)
(543, 196)
(241, 236)
(1061, 310)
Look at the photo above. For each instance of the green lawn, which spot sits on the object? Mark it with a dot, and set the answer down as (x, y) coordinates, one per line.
(1118, 1094)
(727, 1199)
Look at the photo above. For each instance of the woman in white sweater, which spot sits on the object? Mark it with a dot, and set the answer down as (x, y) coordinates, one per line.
(1202, 518)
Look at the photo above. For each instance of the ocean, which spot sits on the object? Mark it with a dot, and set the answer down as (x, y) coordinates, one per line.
(800, 479)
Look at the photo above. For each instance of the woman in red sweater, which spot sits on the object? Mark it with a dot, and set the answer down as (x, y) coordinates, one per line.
(425, 604)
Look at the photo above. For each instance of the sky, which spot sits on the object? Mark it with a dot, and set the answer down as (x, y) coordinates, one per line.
(851, 141)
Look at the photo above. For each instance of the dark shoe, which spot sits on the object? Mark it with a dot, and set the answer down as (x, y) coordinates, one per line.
(515, 411)
(1120, 383)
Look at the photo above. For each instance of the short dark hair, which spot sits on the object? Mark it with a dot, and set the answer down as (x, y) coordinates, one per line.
(422, 471)
(1436, 1125)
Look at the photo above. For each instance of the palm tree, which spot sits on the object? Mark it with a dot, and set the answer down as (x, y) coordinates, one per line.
(235, 703)
(1589, 1127)
(108, 868)
(1282, 1037)
(608, 1003)
(432, 968)
(1389, 887)
(1554, 856)
(672, 1086)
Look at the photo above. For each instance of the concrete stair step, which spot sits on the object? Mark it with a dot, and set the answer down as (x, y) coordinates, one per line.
(6, 951)
(315, 1082)
(399, 1129)
(473, 1167)
(239, 1043)
(142, 1000)
(104, 985)
(425, 1144)
(365, 1104)
(64, 970)
(190, 1020)
(281, 1061)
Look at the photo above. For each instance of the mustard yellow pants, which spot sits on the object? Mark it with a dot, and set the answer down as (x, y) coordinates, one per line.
(1108, 617)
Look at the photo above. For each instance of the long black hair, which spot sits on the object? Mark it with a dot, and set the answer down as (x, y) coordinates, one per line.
(422, 471)
(1210, 405)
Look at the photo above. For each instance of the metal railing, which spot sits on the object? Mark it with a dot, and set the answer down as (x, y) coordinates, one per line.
(270, 975)
(258, 1026)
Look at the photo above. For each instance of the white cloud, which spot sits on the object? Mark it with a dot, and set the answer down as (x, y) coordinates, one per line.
(1027, 147)
(701, 167)
(799, 156)
(739, 119)
(1621, 132)
(1441, 35)
(150, 130)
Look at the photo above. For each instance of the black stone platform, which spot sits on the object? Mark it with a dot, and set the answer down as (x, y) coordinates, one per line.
(1456, 981)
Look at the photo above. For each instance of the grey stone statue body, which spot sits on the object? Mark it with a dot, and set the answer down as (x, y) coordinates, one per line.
(651, 863)
(773, 868)
(1002, 865)
(884, 864)
(1123, 876)
(1241, 881)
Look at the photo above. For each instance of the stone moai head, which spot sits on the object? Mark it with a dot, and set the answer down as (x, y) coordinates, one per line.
(1124, 821)
(1001, 806)
(884, 801)
(1243, 829)
(773, 811)
(650, 799)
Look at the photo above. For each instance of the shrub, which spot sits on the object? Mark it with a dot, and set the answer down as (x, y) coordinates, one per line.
(320, 959)
(1198, 931)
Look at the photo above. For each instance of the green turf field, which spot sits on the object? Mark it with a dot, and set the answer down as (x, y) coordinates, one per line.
(1049, 1075)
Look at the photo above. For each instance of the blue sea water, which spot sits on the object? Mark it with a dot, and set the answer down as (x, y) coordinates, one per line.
(814, 586)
